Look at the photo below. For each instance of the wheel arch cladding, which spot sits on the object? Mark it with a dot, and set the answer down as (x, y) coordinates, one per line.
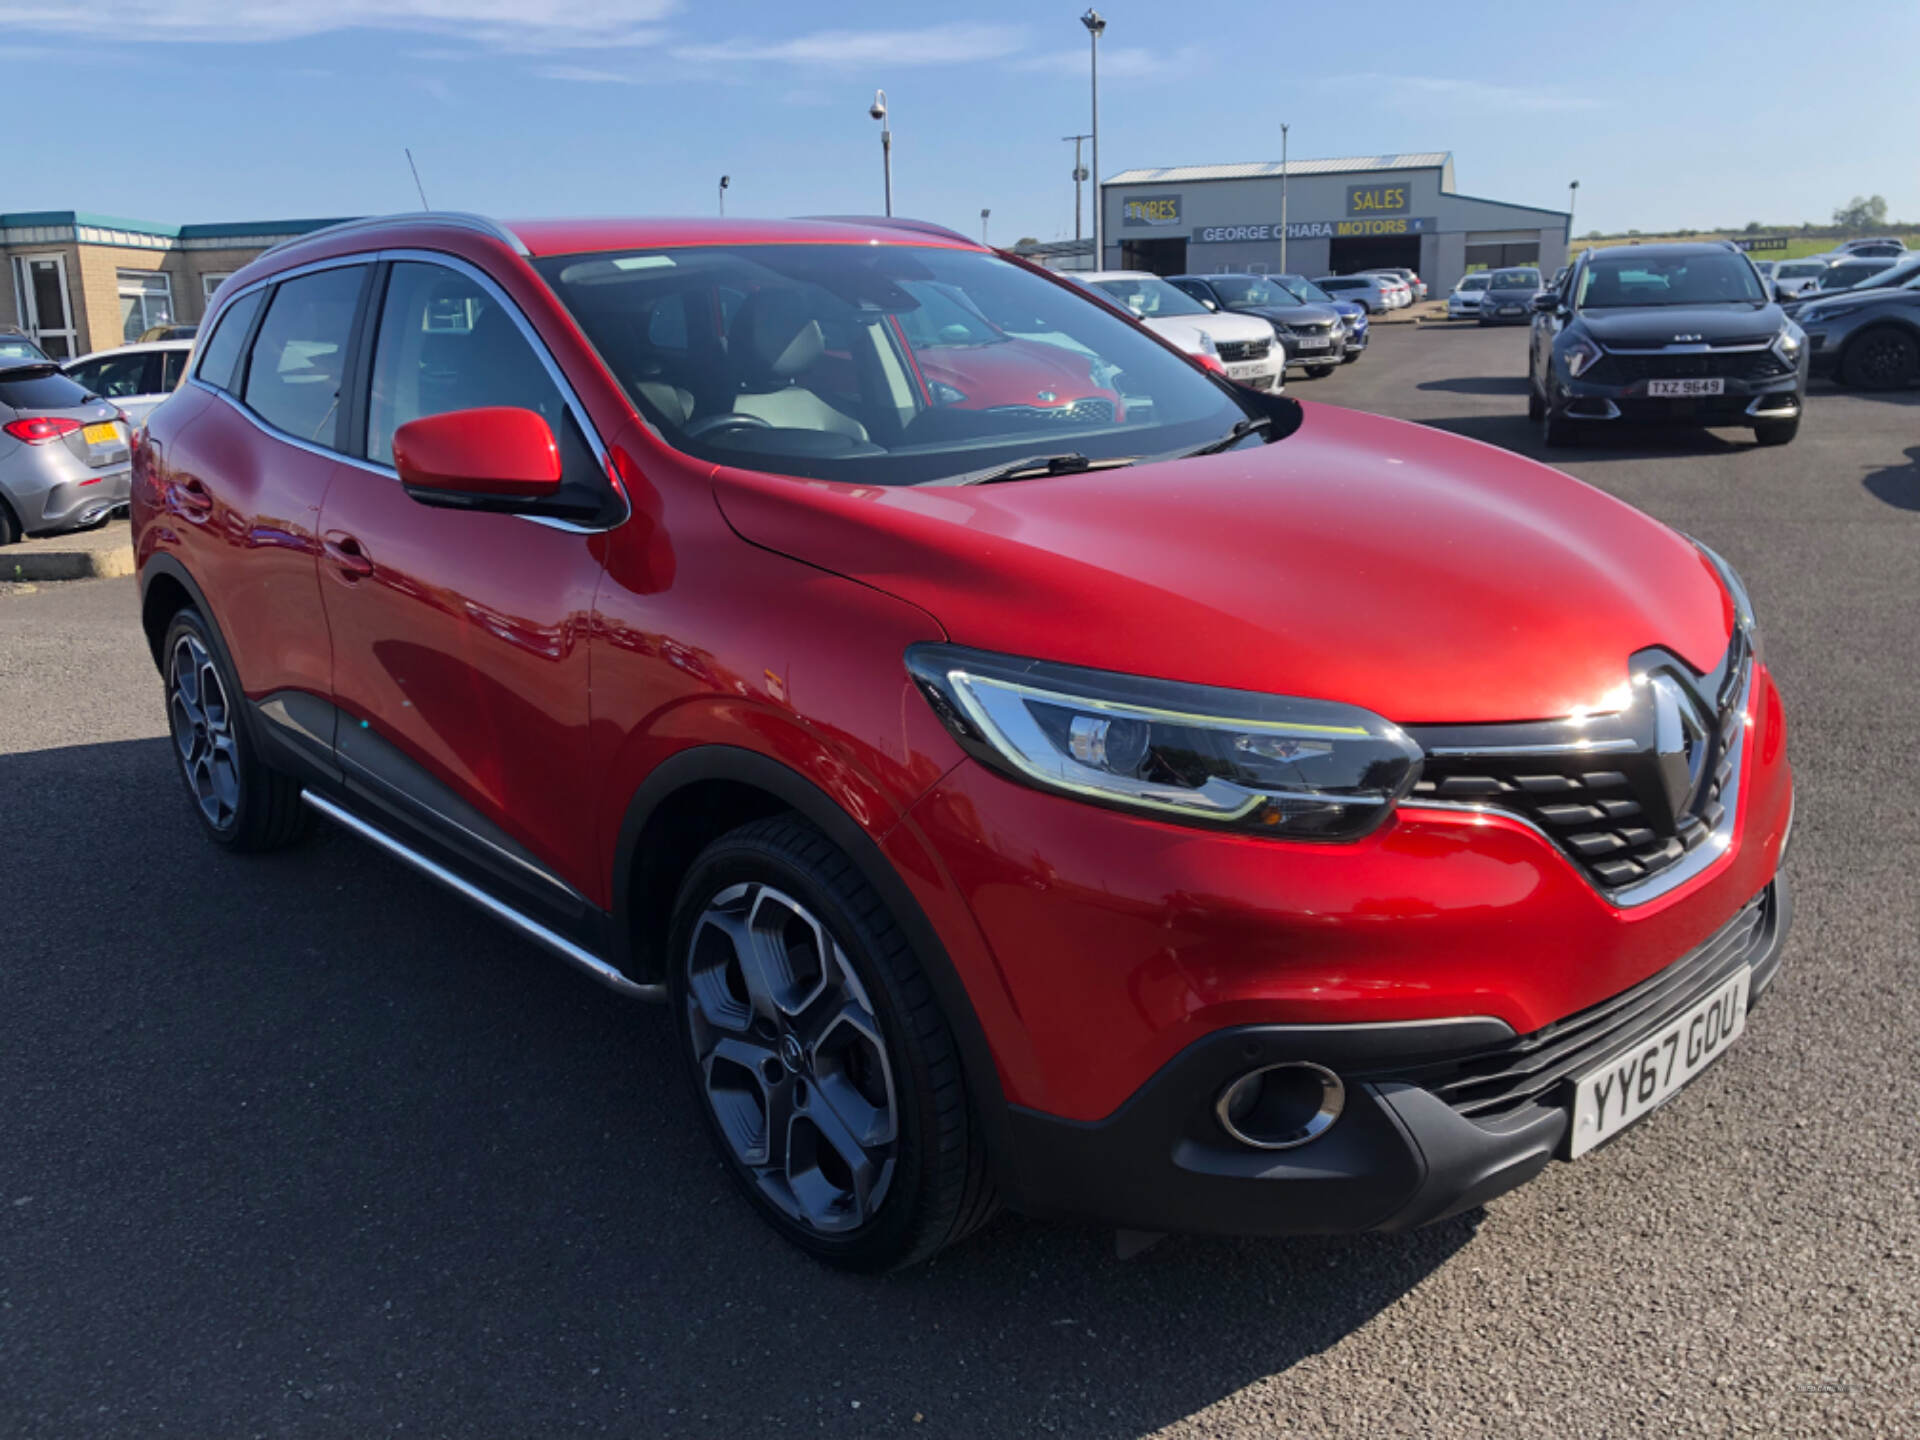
(701, 793)
(165, 590)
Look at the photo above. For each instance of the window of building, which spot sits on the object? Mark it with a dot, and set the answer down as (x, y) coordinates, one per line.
(211, 283)
(146, 301)
(299, 359)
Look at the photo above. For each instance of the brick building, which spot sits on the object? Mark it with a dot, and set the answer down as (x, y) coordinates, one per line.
(84, 282)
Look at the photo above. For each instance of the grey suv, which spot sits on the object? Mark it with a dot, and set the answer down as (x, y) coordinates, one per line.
(65, 460)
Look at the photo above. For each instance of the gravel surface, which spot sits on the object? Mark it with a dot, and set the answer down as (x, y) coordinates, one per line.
(303, 1146)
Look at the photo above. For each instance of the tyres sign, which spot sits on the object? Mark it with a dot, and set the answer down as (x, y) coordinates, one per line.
(1150, 210)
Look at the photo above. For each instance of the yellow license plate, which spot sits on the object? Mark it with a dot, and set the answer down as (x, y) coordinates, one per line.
(105, 433)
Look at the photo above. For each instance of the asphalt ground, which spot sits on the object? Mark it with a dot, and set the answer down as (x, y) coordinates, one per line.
(303, 1146)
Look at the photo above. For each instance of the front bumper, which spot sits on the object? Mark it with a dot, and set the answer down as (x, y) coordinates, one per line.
(1743, 403)
(1402, 1153)
(1298, 358)
(1503, 315)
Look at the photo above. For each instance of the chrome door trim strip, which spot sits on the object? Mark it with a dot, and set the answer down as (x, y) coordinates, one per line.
(530, 928)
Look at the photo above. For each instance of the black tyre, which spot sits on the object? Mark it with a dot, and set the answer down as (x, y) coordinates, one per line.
(1351, 356)
(1319, 372)
(1778, 432)
(818, 1054)
(1556, 430)
(1882, 358)
(241, 802)
(1536, 402)
(9, 526)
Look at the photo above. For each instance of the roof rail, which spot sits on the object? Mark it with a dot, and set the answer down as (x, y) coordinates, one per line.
(457, 219)
(896, 222)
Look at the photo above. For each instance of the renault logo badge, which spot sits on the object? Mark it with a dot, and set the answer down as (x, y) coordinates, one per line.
(1679, 743)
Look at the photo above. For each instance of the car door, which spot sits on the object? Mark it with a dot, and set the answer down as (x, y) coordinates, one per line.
(460, 637)
(243, 466)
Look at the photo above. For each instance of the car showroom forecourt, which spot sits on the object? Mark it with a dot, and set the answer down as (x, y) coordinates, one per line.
(983, 869)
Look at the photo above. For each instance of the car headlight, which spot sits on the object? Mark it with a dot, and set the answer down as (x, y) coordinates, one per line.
(1743, 616)
(1207, 347)
(1788, 342)
(1582, 356)
(1231, 759)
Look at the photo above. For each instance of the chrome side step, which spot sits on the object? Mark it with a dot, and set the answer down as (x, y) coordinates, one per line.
(499, 909)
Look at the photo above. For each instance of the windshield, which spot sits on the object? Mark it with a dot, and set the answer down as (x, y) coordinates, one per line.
(1304, 290)
(1714, 277)
(1248, 290)
(1474, 282)
(882, 364)
(1854, 272)
(16, 347)
(1150, 298)
(1801, 269)
(1514, 280)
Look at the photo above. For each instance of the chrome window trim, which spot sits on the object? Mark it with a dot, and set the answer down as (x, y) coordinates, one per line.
(1695, 862)
(528, 333)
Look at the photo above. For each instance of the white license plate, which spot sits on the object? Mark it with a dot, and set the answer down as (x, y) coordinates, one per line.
(1686, 387)
(1509, 309)
(1312, 342)
(1241, 372)
(1640, 1079)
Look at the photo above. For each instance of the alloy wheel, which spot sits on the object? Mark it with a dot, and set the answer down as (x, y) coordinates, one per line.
(1886, 360)
(203, 734)
(791, 1057)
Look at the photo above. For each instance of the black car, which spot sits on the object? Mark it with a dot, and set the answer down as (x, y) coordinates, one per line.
(1665, 333)
(1508, 298)
(1314, 335)
(1866, 337)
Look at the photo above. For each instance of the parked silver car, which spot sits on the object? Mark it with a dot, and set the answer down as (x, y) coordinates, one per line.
(1375, 292)
(65, 458)
(136, 378)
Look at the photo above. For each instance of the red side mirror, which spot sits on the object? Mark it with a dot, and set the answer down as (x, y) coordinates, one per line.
(487, 458)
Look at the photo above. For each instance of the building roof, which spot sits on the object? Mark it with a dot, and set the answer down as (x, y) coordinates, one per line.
(81, 219)
(1261, 169)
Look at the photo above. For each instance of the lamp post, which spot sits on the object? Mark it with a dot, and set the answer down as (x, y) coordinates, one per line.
(1079, 174)
(725, 180)
(1096, 23)
(984, 213)
(1283, 199)
(878, 110)
(1573, 193)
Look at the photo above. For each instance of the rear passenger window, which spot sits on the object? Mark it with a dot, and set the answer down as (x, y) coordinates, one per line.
(222, 350)
(117, 377)
(172, 364)
(298, 363)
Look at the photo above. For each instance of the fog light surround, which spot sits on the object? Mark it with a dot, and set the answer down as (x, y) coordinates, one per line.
(1280, 1107)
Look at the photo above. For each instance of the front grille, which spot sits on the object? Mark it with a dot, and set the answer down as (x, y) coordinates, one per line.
(1311, 327)
(1614, 368)
(1080, 412)
(1244, 349)
(1530, 1070)
(1597, 790)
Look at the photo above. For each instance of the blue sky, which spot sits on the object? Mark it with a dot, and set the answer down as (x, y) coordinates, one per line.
(1668, 114)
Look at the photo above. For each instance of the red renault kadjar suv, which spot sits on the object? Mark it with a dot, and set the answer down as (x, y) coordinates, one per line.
(1162, 803)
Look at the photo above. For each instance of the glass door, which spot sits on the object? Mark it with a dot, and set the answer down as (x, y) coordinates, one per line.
(40, 289)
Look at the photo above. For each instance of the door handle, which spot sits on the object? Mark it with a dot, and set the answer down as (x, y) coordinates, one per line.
(348, 557)
(193, 495)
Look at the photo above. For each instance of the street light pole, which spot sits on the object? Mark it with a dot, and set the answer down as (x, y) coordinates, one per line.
(1283, 199)
(878, 110)
(1079, 174)
(1095, 24)
(983, 225)
(1573, 193)
(724, 182)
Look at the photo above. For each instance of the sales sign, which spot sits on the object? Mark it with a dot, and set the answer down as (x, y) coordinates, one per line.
(1763, 242)
(1378, 199)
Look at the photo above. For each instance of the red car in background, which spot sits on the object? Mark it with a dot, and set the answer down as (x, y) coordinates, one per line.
(1100, 789)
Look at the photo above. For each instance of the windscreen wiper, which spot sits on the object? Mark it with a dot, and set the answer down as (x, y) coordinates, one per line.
(1239, 432)
(1071, 462)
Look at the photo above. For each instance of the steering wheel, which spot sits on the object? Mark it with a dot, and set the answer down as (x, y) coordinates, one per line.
(727, 420)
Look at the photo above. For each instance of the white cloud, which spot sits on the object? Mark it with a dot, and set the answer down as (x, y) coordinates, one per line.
(1122, 62)
(498, 24)
(585, 75)
(934, 45)
(1475, 95)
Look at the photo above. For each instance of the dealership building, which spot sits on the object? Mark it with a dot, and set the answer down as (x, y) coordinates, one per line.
(1358, 213)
